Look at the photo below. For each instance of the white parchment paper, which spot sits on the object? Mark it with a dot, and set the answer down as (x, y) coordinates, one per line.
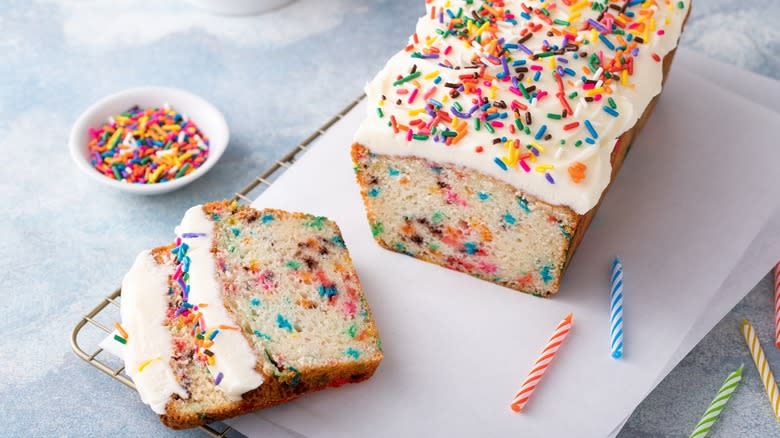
(696, 189)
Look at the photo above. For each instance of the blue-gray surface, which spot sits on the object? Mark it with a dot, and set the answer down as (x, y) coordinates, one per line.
(66, 242)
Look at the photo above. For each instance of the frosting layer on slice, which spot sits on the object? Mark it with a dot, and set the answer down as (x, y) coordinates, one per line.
(234, 361)
(147, 312)
(149, 344)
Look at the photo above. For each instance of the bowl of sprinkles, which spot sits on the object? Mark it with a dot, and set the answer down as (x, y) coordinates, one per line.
(148, 140)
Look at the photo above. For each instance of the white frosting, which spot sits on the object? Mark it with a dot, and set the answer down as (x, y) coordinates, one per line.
(234, 357)
(143, 312)
(581, 196)
(144, 304)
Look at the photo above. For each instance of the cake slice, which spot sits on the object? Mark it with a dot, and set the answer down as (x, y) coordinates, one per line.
(247, 309)
(491, 138)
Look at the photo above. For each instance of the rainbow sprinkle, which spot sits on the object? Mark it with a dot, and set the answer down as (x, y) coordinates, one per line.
(189, 314)
(148, 146)
(146, 363)
(533, 50)
(122, 336)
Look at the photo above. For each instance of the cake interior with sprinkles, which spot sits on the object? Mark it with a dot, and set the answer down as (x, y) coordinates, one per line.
(246, 309)
(491, 138)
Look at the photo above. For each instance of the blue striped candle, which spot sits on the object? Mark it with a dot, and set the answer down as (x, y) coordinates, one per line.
(616, 309)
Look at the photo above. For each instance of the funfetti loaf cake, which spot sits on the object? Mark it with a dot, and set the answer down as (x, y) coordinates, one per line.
(492, 136)
(245, 310)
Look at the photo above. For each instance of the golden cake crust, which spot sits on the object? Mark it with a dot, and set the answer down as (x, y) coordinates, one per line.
(273, 392)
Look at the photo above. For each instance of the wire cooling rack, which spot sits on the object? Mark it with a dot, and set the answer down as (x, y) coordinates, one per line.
(108, 308)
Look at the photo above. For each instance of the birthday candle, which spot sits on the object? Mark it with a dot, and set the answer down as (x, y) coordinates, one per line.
(616, 309)
(541, 364)
(777, 305)
(763, 367)
(718, 404)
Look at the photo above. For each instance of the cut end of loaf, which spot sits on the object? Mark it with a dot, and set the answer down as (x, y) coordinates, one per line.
(464, 220)
(289, 285)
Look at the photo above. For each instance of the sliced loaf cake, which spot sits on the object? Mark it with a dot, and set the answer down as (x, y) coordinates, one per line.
(247, 309)
(490, 139)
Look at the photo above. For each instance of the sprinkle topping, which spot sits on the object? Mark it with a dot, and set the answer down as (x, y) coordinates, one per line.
(528, 85)
(147, 146)
(188, 313)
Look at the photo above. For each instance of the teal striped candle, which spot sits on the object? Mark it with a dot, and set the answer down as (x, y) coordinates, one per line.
(716, 407)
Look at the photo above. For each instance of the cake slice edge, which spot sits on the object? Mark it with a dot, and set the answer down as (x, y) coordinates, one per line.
(178, 412)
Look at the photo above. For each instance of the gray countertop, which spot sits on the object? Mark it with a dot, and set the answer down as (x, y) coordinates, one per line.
(67, 242)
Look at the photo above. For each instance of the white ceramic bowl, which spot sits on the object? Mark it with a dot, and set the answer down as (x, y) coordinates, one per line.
(239, 7)
(205, 115)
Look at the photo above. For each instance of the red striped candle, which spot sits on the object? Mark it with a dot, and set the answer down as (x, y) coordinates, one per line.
(777, 305)
(541, 364)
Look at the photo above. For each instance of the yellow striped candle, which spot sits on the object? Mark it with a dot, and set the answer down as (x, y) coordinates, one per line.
(762, 366)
